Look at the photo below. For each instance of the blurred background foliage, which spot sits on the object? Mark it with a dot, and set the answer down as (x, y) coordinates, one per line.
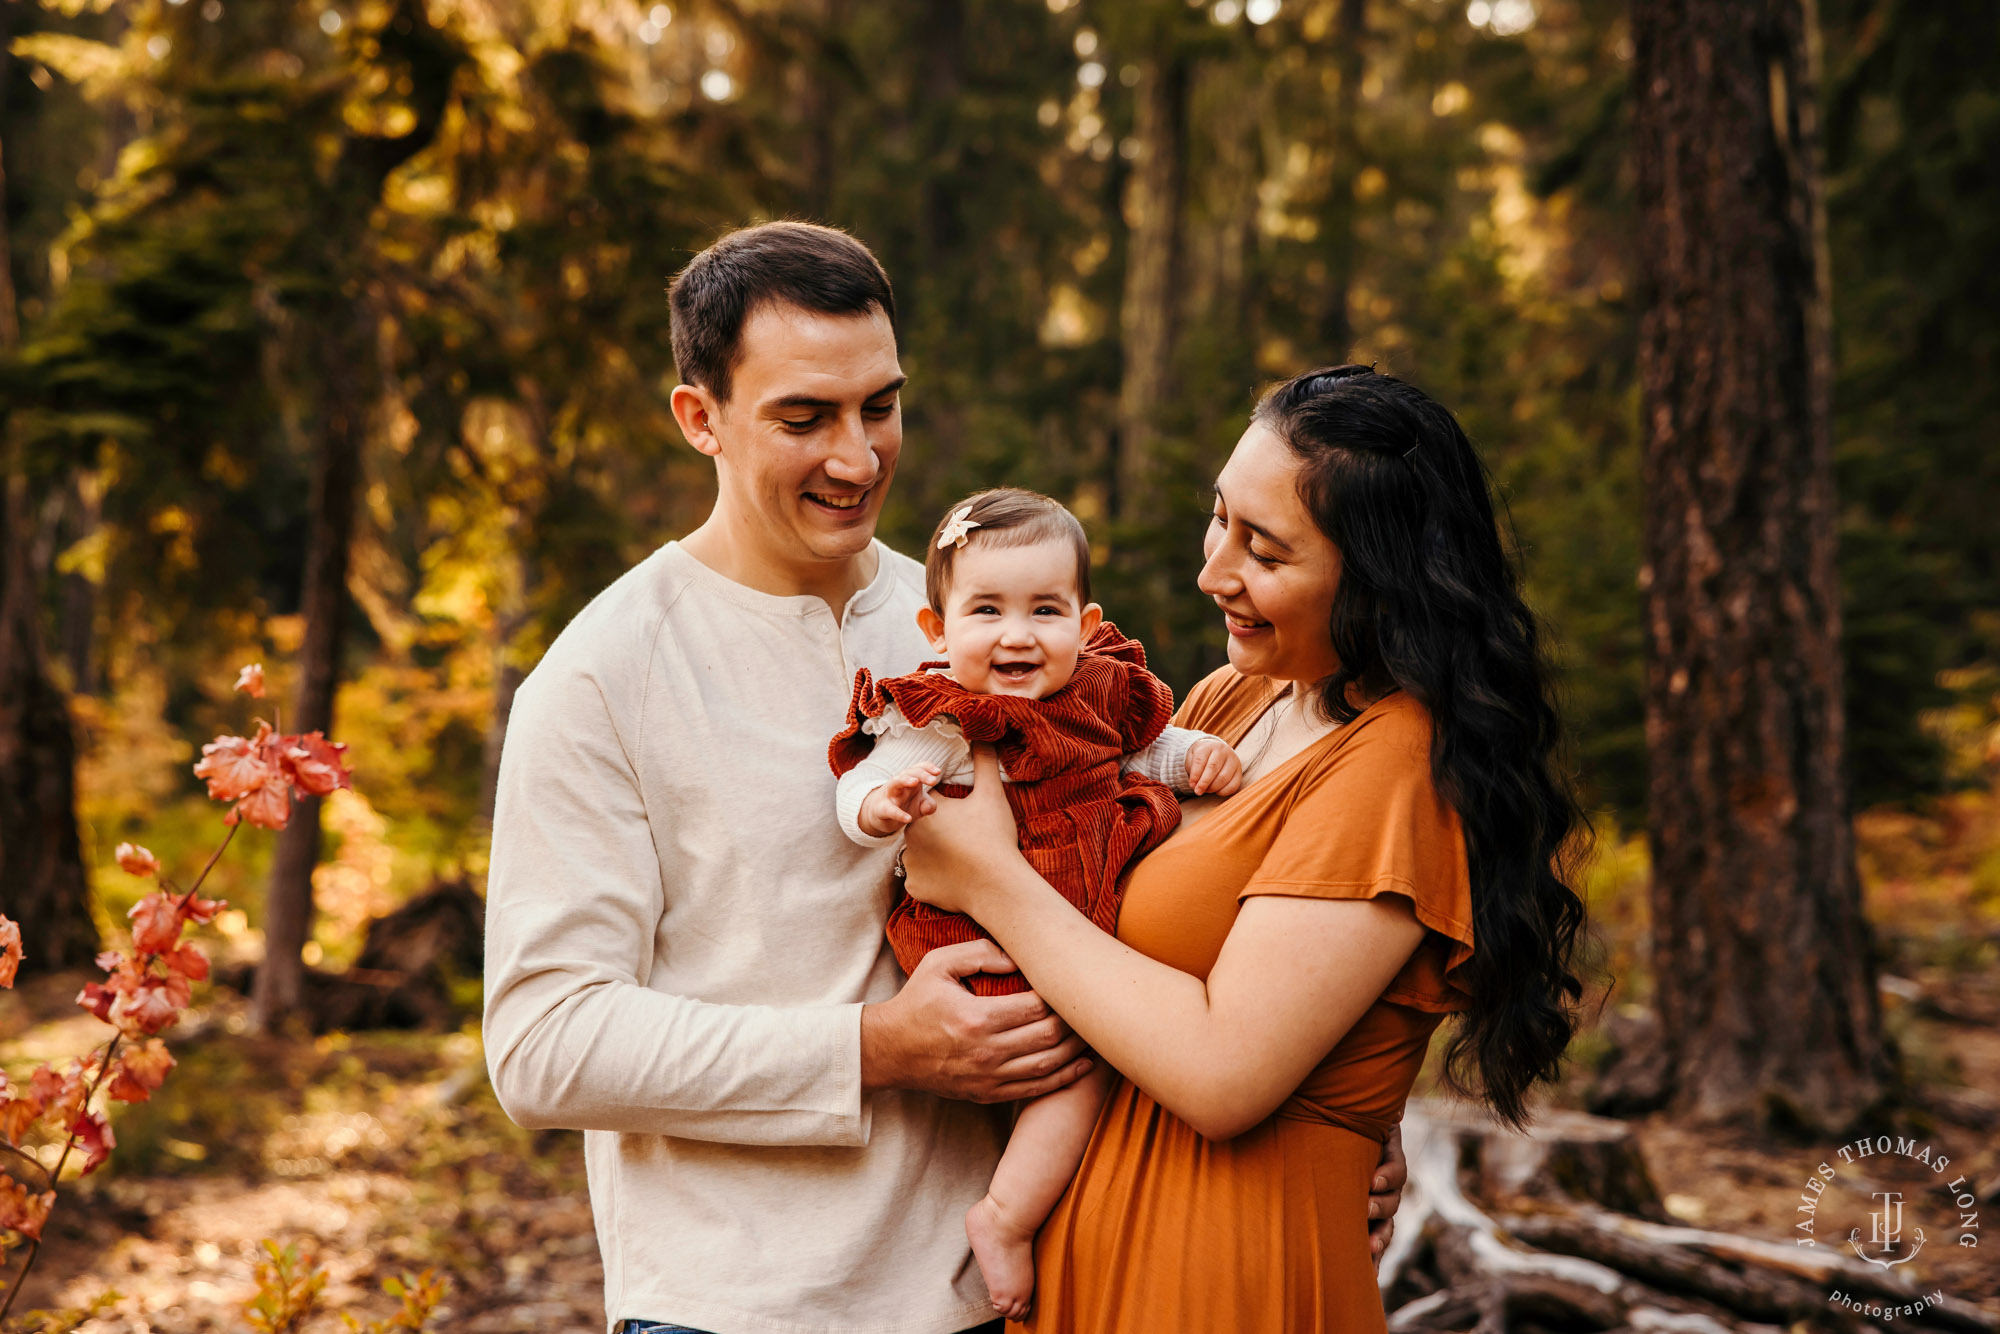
(1110, 222)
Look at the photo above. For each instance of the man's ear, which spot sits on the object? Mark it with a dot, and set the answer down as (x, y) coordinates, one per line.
(692, 409)
(1093, 616)
(932, 625)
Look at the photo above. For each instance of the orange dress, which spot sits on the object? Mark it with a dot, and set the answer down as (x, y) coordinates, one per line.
(1081, 820)
(1163, 1230)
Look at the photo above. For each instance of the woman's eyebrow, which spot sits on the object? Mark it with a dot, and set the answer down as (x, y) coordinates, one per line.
(1280, 543)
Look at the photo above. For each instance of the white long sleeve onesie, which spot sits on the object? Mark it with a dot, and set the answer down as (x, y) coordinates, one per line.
(900, 744)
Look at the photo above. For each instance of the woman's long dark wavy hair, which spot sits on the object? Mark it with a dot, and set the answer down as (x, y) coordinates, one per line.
(1430, 603)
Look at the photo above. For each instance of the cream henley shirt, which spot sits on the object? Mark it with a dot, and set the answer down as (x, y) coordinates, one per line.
(679, 943)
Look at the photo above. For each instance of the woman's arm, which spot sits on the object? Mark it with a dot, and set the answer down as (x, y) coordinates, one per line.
(1292, 978)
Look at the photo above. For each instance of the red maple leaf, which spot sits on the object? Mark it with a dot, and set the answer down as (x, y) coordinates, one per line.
(94, 1137)
(22, 1210)
(268, 807)
(235, 766)
(141, 1068)
(10, 950)
(156, 923)
(314, 765)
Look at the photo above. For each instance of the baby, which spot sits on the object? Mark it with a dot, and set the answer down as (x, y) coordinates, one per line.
(1033, 669)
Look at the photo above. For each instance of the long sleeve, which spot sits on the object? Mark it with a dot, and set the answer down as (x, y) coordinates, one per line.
(899, 747)
(1165, 760)
(575, 900)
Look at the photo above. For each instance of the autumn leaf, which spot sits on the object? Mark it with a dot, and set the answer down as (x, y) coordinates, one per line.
(156, 923)
(268, 807)
(10, 950)
(93, 1135)
(22, 1210)
(187, 960)
(18, 1111)
(251, 680)
(152, 1004)
(141, 1069)
(96, 999)
(235, 766)
(314, 765)
(61, 1095)
(137, 860)
(199, 910)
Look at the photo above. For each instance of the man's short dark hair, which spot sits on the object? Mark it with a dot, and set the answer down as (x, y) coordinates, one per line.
(816, 268)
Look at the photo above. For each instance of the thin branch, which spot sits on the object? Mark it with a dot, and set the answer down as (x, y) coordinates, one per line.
(29, 1158)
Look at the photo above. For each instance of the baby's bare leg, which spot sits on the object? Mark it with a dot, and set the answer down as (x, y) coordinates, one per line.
(1042, 1155)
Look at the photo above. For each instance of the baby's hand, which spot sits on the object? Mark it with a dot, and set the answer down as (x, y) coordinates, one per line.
(1214, 767)
(904, 798)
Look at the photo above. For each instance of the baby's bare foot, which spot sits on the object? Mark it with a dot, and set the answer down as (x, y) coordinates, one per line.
(1006, 1255)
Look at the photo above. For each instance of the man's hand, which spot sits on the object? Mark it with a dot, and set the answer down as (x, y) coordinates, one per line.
(1213, 767)
(936, 1036)
(906, 797)
(1385, 1195)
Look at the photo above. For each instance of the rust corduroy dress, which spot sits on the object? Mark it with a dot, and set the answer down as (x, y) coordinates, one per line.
(1163, 1230)
(1081, 820)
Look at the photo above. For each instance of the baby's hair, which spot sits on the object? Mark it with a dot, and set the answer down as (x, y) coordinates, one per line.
(1006, 516)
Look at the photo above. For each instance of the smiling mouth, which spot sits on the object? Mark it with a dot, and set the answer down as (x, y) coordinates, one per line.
(1016, 671)
(1242, 623)
(837, 502)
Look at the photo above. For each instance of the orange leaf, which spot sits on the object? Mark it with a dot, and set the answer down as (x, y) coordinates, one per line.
(95, 999)
(94, 1137)
(156, 925)
(141, 1069)
(251, 680)
(10, 950)
(152, 1004)
(268, 807)
(314, 765)
(198, 909)
(187, 960)
(235, 766)
(22, 1210)
(137, 860)
(17, 1113)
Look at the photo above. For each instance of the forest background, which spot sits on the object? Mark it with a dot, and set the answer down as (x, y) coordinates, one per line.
(264, 254)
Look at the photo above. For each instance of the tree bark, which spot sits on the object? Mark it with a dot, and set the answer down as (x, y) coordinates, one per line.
(1153, 201)
(409, 39)
(288, 897)
(42, 882)
(1765, 983)
(1336, 327)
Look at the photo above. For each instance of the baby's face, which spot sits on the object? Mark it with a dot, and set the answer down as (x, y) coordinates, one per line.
(1012, 622)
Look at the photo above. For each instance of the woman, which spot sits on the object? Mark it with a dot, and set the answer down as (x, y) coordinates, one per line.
(1397, 853)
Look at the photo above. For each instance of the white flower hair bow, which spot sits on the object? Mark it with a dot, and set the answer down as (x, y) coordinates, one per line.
(956, 529)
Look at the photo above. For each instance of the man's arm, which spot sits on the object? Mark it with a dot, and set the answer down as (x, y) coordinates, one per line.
(575, 1039)
(574, 898)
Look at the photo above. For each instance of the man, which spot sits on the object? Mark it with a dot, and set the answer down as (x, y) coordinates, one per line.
(685, 955)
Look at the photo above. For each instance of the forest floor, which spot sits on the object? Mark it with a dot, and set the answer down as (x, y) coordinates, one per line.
(384, 1153)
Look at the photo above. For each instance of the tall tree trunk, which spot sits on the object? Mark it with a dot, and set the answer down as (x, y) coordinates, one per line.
(77, 627)
(288, 897)
(1336, 327)
(1766, 989)
(42, 881)
(1153, 200)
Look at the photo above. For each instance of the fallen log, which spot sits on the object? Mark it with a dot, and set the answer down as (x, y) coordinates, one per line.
(1554, 1260)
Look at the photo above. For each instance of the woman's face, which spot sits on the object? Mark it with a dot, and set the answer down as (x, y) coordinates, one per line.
(1269, 567)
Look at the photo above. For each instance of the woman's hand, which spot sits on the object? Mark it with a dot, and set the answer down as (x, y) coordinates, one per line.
(949, 856)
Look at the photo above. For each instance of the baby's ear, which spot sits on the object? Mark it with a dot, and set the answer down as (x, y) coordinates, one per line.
(1093, 616)
(932, 625)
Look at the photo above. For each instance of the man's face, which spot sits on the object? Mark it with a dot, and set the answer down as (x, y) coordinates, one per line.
(808, 440)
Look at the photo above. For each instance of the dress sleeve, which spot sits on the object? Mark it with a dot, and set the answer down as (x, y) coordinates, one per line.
(1367, 820)
(898, 745)
(1165, 761)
